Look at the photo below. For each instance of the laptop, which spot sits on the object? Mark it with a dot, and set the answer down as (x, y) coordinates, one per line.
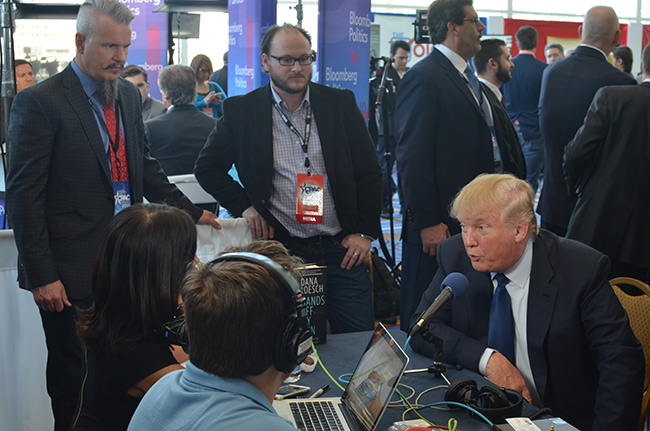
(365, 398)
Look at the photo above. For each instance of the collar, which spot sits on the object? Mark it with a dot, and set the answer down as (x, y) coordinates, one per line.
(526, 52)
(199, 377)
(646, 80)
(597, 49)
(519, 273)
(282, 104)
(87, 83)
(459, 62)
(492, 87)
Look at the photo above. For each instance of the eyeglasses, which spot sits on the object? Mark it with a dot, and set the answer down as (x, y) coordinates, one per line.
(204, 70)
(476, 21)
(303, 60)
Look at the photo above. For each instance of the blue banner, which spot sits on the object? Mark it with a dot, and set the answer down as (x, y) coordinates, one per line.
(149, 36)
(248, 22)
(344, 47)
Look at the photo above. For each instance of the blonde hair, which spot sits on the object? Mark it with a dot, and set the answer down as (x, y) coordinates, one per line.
(502, 194)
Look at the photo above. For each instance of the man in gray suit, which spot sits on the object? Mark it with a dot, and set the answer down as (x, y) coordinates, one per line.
(606, 167)
(78, 154)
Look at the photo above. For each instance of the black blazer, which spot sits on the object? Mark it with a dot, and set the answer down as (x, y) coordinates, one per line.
(607, 166)
(244, 136)
(587, 365)
(177, 137)
(512, 157)
(443, 142)
(59, 188)
(568, 87)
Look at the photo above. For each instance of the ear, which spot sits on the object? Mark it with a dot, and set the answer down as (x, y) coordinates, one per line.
(580, 31)
(617, 36)
(493, 64)
(265, 63)
(521, 233)
(80, 41)
(452, 28)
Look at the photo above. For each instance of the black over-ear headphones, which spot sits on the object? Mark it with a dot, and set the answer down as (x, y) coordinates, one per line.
(293, 340)
(495, 403)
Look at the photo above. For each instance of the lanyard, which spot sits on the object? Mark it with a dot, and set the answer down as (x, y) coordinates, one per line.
(115, 145)
(303, 142)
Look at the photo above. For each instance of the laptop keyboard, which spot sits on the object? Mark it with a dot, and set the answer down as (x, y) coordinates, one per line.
(315, 416)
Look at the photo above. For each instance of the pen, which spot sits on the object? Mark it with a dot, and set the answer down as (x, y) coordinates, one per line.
(320, 392)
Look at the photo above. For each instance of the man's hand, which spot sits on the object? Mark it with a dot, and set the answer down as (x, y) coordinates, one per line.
(210, 219)
(357, 249)
(51, 297)
(503, 374)
(432, 236)
(259, 227)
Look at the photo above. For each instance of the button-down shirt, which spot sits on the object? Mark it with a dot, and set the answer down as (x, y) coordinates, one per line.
(288, 161)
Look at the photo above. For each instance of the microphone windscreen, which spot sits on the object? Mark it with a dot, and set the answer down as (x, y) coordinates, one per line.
(457, 282)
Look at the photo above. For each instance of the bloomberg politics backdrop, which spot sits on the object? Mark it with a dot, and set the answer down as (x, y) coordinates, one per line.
(149, 35)
(343, 54)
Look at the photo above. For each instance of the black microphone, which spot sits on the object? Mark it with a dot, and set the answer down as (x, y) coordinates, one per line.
(453, 286)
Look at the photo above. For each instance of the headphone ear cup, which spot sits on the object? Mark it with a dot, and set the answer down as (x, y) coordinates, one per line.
(490, 397)
(462, 391)
(292, 344)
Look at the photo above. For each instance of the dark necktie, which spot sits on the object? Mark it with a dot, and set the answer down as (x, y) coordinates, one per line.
(501, 332)
(118, 161)
(485, 111)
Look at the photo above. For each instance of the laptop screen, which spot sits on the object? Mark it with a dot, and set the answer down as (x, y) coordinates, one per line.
(373, 382)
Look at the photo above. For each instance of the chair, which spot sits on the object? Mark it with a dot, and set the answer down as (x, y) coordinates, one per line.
(638, 310)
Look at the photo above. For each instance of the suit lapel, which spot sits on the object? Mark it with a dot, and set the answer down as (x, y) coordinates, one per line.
(458, 81)
(541, 304)
(80, 103)
(262, 145)
(323, 108)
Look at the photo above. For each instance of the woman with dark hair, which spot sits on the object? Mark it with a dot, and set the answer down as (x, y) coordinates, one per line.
(136, 279)
(209, 95)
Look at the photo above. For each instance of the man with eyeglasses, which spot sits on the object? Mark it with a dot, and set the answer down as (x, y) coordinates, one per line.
(309, 172)
(446, 136)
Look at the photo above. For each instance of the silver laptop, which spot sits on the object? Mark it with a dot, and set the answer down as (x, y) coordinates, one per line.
(365, 398)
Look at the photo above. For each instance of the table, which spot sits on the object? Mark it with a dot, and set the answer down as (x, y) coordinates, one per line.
(342, 352)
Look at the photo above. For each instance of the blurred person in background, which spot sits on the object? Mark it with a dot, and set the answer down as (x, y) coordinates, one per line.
(209, 95)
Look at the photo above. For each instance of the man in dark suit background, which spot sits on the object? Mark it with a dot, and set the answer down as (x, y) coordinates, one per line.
(522, 100)
(606, 167)
(66, 166)
(443, 141)
(177, 137)
(302, 151)
(548, 325)
(221, 76)
(493, 67)
(568, 86)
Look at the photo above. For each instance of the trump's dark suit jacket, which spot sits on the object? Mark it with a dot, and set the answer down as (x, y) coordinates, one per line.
(587, 365)
(177, 136)
(606, 166)
(568, 86)
(244, 136)
(59, 186)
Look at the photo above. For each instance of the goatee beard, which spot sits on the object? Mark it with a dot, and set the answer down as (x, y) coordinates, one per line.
(107, 90)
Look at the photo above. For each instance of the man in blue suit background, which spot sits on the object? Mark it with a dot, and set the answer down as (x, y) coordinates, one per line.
(568, 86)
(443, 140)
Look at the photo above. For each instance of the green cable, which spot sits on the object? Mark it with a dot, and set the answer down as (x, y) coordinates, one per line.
(411, 407)
(325, 369)
(452, 424)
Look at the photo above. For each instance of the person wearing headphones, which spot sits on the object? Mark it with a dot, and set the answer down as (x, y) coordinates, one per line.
(247, 331)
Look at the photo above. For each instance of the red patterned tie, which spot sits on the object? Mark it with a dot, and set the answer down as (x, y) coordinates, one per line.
(118, 163)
